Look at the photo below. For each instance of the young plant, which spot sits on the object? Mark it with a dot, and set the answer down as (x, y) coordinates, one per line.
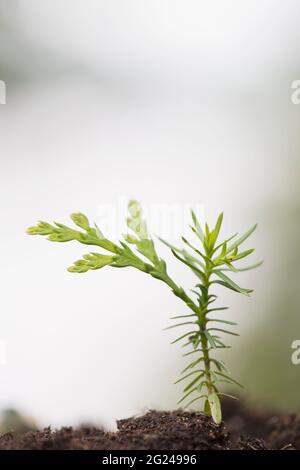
(209, 262)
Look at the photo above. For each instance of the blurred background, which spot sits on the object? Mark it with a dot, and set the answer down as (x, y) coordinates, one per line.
(170, 102)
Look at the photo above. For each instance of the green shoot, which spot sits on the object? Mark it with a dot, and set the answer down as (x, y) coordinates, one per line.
(209, 261)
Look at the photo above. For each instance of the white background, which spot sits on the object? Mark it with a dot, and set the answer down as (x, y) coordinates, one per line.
(169, 102)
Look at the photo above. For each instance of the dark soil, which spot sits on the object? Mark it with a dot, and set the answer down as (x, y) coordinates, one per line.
(178, 430)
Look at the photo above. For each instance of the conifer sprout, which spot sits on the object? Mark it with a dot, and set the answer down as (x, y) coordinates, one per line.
(210, 261)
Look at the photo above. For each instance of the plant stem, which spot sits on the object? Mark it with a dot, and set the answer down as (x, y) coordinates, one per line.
(201, 313)
(202, 326)
(180, 292)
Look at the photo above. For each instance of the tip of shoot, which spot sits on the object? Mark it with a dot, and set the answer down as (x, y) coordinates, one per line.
(80, 220)
(31, 231)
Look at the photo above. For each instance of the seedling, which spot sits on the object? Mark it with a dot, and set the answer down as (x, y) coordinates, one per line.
(209, 262)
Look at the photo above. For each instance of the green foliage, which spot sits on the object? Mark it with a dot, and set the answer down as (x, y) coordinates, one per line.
(209, 261)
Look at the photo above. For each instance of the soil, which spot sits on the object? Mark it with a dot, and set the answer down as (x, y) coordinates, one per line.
(243, 429)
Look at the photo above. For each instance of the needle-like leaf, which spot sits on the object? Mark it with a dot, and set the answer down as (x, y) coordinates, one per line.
(240, 240)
